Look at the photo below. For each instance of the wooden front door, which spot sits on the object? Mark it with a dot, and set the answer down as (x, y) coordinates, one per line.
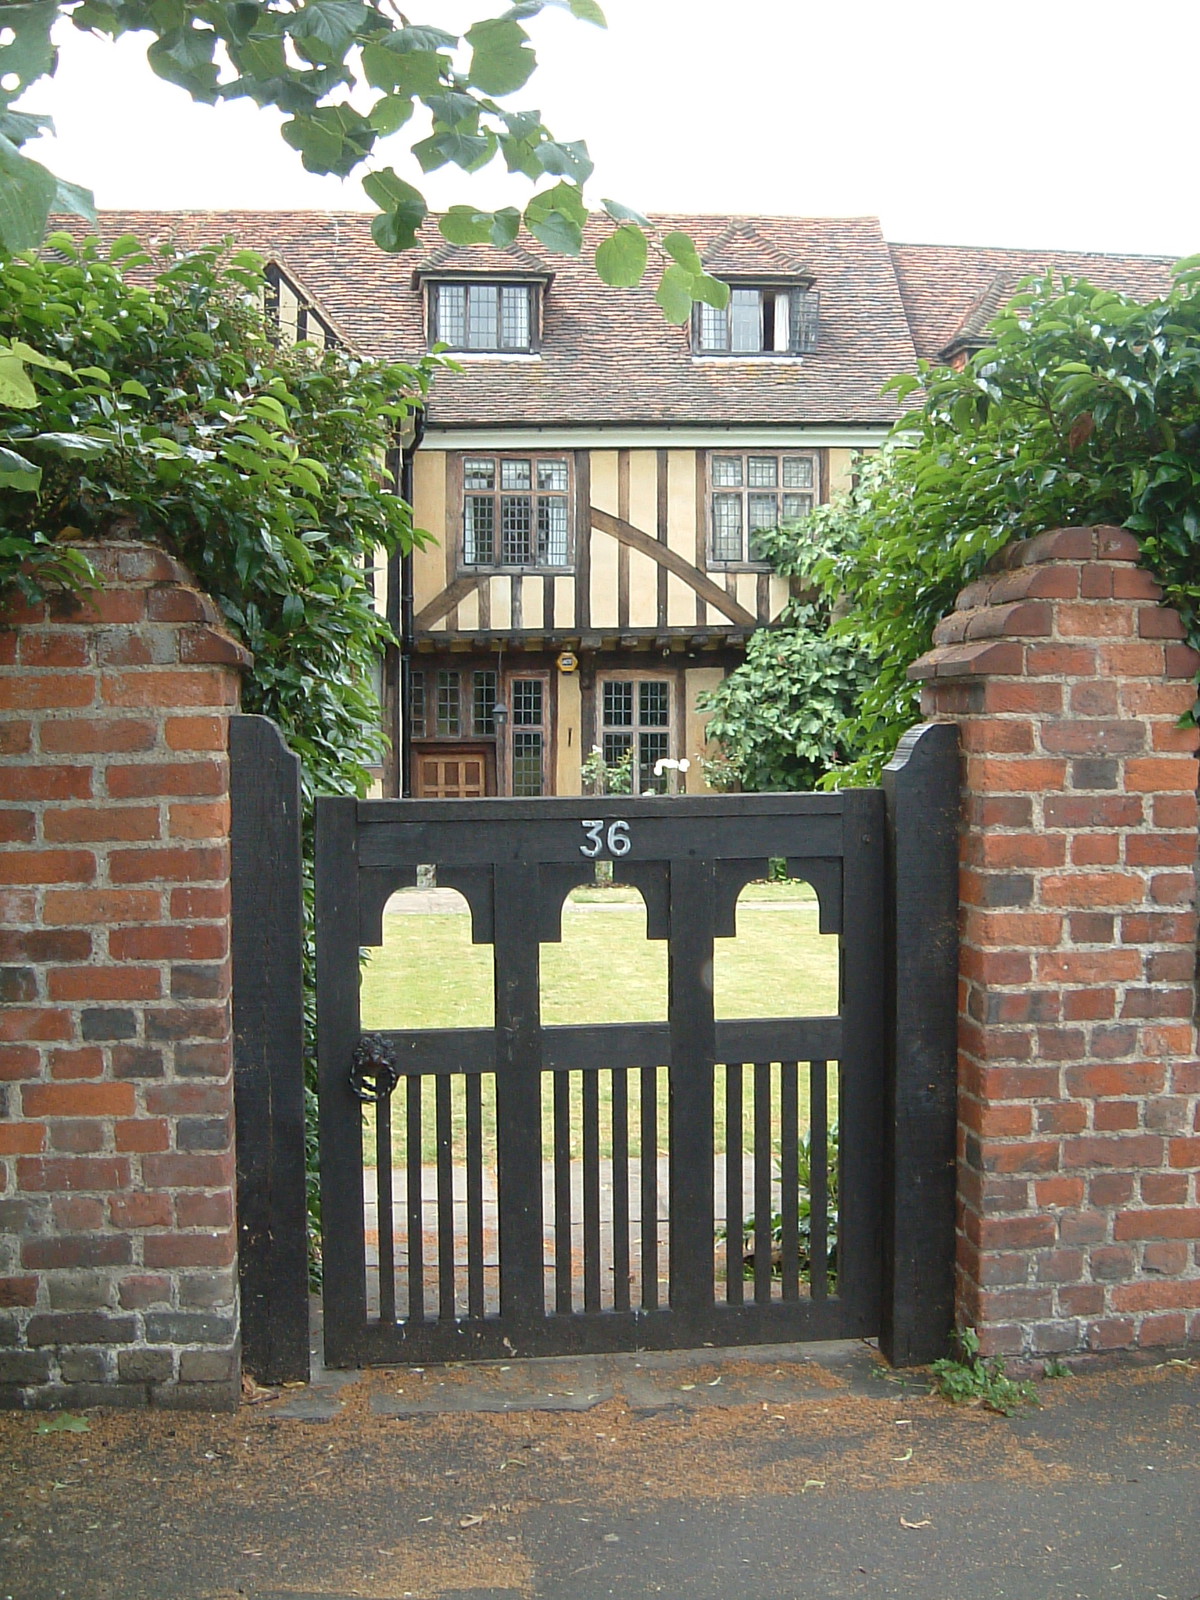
(454, 772)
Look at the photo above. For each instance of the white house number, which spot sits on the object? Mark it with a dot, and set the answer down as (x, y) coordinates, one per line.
(617, 838)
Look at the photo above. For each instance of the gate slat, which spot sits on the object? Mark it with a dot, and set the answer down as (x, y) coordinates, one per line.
(818, 1140)
(415, 1198)
(693, 1052)
(649, 1185)
(591, 1191)
(518, 1090)
(383, 1208)
(762, 1182)
(563, 1238)
(620, 1187)
(735, 1244)
(789, 1179)
(475, 1257)
(445, 1201)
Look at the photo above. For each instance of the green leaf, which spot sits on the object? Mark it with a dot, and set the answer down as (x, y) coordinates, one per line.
(565, 160)
(464, 225)
(132, 386)
(556, 232)
(31, 54)
(424, 38)
(470, 151)
(621, 258)
(73, 446)
(16, 472)
(674, 294)
(35, 358)
(506, 224)
(501, 60)
(329, 27)
(621, 213)
(397, 230)
(404, 71)
(711, 290)
(27, 192)
(331, 139)
(185, 56)
(79, 202)
(390, 113)
(16, 387)
(681, 249)
(64, 1422)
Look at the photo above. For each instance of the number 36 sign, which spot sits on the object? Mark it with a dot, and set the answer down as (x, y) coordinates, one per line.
(613, 836)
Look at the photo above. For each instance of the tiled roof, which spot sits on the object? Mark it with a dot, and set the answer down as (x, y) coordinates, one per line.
(941, 285)
(607, 354)
(483, 258)
(742, 251)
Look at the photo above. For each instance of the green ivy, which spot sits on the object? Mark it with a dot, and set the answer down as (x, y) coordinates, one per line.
(1084, 408)
(147, 397)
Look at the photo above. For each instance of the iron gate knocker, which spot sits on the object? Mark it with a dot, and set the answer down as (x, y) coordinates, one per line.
(373, 1070)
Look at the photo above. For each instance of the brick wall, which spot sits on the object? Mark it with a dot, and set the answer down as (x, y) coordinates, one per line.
(117, 1280)
(1079, 1087)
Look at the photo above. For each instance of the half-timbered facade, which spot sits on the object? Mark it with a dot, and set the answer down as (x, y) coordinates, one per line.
(594, 478)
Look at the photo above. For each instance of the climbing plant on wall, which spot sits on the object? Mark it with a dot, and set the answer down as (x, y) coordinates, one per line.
(148, 397)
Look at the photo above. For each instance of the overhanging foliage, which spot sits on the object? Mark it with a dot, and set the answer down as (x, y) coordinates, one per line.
(348, 75)
(1084, 408)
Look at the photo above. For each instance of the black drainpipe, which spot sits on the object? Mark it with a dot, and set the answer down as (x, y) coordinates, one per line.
(400, 620)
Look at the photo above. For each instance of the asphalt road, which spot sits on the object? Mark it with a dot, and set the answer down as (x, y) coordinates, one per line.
(782, 1474)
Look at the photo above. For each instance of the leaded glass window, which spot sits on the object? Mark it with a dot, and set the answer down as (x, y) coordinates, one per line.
(483, 316)
(528, 738)
(449, 710)
(752, 494)
(516, 511)
(759, 321)
(416, 704)
(635, 715)
(483, 707)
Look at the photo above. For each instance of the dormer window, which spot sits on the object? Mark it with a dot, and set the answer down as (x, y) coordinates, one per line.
(759, 320)
(498, 317)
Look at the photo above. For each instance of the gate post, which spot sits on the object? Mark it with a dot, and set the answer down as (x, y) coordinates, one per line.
(268, 1049)
(920, 786)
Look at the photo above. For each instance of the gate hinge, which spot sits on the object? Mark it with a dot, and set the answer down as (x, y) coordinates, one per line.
(373, 1069)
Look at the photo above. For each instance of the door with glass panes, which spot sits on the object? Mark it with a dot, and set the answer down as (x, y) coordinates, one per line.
(528, 736)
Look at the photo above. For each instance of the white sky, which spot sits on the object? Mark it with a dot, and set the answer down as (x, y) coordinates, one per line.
(956, 121)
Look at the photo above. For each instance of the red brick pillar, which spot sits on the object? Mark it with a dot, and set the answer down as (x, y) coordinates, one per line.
(117, 1243)
(1079, 1217)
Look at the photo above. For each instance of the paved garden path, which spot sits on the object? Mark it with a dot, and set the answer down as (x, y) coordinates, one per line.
(794, 1473)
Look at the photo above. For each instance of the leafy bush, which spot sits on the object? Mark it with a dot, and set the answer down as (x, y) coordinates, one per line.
(976, 1381)
(147, 398)
(1084, 408)
(778, 717)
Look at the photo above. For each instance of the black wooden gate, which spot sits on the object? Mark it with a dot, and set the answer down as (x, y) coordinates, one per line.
(661, 1257)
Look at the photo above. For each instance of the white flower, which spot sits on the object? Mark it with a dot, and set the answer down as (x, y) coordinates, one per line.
(668, 764)
(684, 765)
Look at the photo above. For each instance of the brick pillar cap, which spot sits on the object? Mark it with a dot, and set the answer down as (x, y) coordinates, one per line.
(1102, 543)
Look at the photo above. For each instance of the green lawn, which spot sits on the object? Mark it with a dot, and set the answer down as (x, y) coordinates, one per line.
(427, 974)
